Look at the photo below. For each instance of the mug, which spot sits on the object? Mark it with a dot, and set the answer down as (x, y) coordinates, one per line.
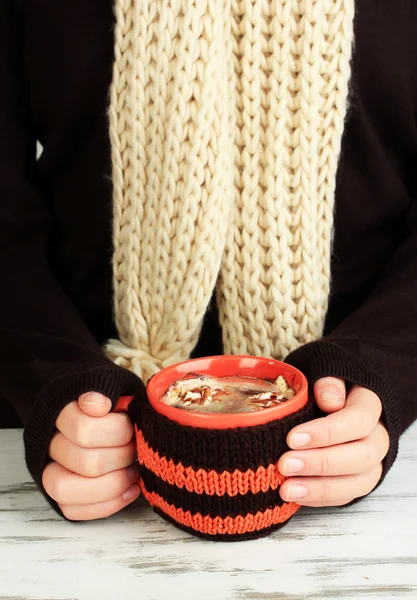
(215, 475)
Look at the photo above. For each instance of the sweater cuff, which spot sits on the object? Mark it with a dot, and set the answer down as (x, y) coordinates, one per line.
(108, 379)
(326, 358)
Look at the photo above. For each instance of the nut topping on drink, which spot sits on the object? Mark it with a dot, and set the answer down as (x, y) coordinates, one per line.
(204, 393)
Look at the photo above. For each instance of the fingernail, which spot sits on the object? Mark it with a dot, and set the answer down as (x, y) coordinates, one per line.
(331, 394)
(133, 472)
(298, 440)
(94, 398)
(131, 493)
(293, 465)
(296, 491)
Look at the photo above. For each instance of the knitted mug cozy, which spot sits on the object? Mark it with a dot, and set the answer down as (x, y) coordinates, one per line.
(218, 484)
(221, 484)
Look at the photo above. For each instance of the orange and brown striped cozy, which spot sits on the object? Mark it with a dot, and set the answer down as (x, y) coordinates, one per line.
(217, 484)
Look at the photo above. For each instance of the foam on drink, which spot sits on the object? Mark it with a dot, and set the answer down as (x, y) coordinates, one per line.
(209, 394)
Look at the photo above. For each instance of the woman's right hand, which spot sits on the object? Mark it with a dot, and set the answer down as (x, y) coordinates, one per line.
(92, 473)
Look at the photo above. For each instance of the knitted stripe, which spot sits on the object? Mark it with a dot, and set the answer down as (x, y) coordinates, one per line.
(209, 482)
(239, 525)
(210, 504)
(226, 118)
(222, 537)
(243, 448)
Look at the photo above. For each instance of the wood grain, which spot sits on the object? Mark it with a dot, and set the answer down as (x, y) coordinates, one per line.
(366, 551)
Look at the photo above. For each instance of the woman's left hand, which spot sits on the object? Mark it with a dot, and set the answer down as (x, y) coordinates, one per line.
(337, 458)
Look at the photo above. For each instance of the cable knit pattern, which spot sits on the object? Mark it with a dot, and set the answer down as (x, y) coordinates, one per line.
(226, 118)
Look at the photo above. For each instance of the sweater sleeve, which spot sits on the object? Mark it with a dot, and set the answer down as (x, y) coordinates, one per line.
(48, 357)
(371, 331)
(375, 345)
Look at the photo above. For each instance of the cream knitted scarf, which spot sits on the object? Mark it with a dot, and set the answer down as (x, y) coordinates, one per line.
(226, 119)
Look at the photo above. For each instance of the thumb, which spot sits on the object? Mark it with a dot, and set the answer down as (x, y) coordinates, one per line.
(94, 404)
(330, 394)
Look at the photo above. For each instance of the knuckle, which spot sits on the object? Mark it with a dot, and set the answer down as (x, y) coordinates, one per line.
(375, 448)
(89, 464)
(326, 466)
(120, 485)
(68, 512)
(112, 486)
(119, 482)
(326, 492)
(371, 480)
(111, 511)
(82, 432)
(385, 444)
(131, 452)
(126, 430)
(365, 423)
(344, 502)
(54, 444)
(376, 475)
(369, 457)
(329, 433)
(53, 485)
(46, 479)
(65, 415)
(58, 489)
(371, 483)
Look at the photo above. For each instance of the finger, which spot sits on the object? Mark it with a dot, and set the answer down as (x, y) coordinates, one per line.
(69, 488)
(94, 404)
(330, 394)
(102, 510)
(355, 421)
(325, 490)
(90, 462)
(344, 459)
(112, 430)
(328, 504)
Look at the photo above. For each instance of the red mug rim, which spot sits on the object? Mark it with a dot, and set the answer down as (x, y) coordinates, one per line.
(254, 366)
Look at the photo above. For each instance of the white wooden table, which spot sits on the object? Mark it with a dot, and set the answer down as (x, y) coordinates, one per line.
(366, 551)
